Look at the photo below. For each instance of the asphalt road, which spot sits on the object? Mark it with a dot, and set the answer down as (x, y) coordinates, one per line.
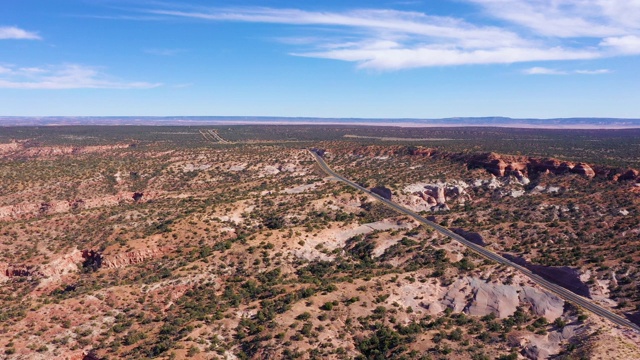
(557, 289)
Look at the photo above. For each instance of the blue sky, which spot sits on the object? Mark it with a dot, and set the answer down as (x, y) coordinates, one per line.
(381, 59)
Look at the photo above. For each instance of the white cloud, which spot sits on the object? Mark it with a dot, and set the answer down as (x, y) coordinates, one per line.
(629, 44)
(384, 22)
(568, 18)
(12, 32)
(542, 30)
(69, 76)
(538, 70)
(390, 58)
(593, 72)
(543, 71)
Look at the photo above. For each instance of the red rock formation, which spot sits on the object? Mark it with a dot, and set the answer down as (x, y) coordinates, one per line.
(584, 170)
(420, 151)
(53, 270)
(516, 167)
(509, 165)
(505, 165)
(10, 147)
(63, 265)
(132, 257)
(553, 166)
(497, 167)
(630, 174)
(29, 210)
(13, 271)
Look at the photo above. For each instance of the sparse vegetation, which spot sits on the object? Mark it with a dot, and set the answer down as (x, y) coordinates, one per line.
(247, 249)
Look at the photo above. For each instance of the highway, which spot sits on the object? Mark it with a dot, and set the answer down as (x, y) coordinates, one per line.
(556, 289)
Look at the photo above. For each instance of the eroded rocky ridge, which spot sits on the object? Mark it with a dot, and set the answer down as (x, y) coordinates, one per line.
(32, 149)
(27, 210)
(435, 196)
(132, 257)
(508, 165)
(75, 260)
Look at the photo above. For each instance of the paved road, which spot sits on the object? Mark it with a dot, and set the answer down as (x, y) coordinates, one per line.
(557, 289)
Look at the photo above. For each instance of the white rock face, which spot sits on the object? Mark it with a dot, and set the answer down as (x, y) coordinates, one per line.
(434, 196)
(270, 170)
(542, 303)
(302, 188)
(477, 297)
(336, 238)
(522, 180)
(544, 346)
(492, 184)
(192, 167)
(238, 167)
(456, 297)
(542, 189)
(501, 300)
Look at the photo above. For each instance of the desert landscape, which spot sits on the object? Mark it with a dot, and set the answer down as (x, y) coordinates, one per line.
(231, 242)
(353, 180)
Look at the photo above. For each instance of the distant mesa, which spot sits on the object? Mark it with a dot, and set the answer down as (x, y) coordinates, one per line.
(496, 121)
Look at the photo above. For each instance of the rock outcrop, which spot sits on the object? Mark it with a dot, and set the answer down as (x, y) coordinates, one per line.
(10, 147)
(479, 298)
(29, 210)
(584, 170)
(54, 269)
(521, 167)
(630, 174)
(131, 257)
(542, 303)
(488, 298)
(434, 197)
(420, 151)
(524, 167)
(539, 347)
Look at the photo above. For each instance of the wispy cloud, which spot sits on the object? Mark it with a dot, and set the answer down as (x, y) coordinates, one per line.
(390, 58)
(15, 33)
(593, 72)
(386, 39)
(564, 18)
(543, 71)
(538, 70)
(68, 76)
